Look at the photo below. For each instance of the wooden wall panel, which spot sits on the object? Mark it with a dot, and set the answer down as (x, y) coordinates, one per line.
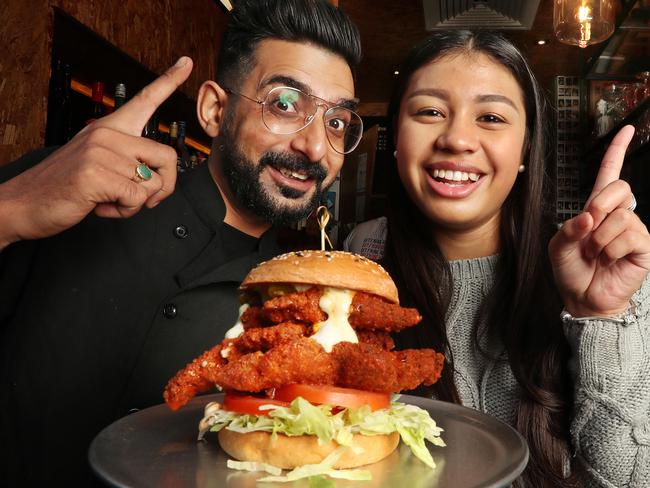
(154, 32)
(24, 76)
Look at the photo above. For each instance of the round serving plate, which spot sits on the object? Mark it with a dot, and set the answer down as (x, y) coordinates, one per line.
(158, 447)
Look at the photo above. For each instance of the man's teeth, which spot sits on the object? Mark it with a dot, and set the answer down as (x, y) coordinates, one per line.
(293, 174)
(447, 174)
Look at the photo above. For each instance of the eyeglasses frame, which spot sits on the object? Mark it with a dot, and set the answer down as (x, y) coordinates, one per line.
(324, 103)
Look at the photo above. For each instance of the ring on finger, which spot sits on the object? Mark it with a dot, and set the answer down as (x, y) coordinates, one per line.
(142, 173)
(632, 205)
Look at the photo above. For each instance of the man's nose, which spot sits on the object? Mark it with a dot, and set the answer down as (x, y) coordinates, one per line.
(458, 135)
(312, 140)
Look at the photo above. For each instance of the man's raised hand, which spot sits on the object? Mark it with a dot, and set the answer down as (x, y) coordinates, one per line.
(95, 171)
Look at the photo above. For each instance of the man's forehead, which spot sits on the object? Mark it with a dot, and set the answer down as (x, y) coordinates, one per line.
(303, 65)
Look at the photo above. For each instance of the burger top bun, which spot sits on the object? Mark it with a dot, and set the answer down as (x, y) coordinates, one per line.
(337, 269)
(290, 452)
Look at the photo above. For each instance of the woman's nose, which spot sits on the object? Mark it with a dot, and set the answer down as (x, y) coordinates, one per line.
(458, 135)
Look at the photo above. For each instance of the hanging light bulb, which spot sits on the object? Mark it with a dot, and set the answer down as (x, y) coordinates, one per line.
(583, 22)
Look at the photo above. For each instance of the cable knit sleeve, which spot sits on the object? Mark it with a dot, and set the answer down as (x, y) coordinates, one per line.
(611, 420)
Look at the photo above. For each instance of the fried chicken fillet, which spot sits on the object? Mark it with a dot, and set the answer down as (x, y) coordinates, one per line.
(313, 317)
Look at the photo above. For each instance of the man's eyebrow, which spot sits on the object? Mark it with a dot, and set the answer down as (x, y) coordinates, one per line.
(444, 95)
(284, 80)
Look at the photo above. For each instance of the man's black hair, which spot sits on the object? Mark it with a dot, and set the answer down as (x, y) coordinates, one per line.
(313, 21)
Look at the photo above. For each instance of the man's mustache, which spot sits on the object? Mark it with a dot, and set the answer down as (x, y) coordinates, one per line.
(294, 162)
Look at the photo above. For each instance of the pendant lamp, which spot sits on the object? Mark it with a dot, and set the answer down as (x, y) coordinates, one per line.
(583, 22)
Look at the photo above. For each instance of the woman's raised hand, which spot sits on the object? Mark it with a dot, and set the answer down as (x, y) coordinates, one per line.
(601, 257)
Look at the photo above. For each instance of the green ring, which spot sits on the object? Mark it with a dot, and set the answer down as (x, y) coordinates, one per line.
(143, 171)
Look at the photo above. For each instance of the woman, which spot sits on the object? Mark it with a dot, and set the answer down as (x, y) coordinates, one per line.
(471, 245)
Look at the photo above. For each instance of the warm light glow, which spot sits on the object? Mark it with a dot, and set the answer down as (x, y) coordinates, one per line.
(583, 22)
(396, 72)
(541, 42)
(584, 17)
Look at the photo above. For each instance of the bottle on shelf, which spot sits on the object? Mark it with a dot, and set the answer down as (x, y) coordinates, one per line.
(150, 130)
(173, 134)
(183, 162)
(59, 121)
(120, 95)
(97, 110)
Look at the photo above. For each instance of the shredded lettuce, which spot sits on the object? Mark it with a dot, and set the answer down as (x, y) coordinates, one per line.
(321, 481)
(324, 468)
(413, 424)
(253, 466)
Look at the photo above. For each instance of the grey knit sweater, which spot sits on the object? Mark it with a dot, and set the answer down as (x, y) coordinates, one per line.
(611, 370)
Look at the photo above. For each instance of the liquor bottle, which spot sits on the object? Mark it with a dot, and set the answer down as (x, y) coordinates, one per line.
(120, 95)
(150, 131)
(59, 121)
(97, 109)
(173, 134)
(183, 153)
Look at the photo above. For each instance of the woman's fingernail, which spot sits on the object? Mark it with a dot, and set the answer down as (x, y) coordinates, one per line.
(182, 61)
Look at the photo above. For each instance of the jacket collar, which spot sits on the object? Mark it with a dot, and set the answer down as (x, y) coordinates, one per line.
(208, 267)
(204, 196)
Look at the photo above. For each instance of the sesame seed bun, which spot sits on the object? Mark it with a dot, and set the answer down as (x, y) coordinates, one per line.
(290, 452)
(336, 269)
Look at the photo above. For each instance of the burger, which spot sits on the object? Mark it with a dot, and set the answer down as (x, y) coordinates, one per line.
(310, 370)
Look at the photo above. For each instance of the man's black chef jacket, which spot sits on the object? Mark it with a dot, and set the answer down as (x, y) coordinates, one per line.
(95, 320)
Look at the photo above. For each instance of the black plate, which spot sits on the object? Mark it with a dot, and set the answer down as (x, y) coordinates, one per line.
(158, 447)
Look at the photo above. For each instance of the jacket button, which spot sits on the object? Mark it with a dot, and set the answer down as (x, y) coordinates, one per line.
(170, 311)
(181, 232)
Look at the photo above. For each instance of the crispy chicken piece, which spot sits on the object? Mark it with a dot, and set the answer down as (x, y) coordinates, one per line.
(377, 338)
(297, 307)
(374, 313)
(254, 317)
(300, 361)
(364, 366)
(367, 311)
(194, 378)
(367, 367)
(301, 307)
(265, 338)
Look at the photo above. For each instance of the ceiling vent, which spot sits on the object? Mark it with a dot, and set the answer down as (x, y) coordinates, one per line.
(480, 14)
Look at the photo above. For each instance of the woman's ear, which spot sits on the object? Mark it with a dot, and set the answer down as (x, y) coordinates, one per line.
(210, 107)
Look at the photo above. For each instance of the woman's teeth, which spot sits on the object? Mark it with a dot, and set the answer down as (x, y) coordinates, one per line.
(455, 176)
(293, 174)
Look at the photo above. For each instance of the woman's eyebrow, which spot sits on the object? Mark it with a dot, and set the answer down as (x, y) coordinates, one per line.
(496, 98)
(444, 95)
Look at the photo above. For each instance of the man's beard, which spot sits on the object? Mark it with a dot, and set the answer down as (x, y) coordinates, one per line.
(243, 177)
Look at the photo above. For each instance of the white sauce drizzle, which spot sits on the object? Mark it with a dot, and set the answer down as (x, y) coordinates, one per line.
(335, 303)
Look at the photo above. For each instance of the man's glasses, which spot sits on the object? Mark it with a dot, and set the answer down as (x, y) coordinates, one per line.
(287, 110)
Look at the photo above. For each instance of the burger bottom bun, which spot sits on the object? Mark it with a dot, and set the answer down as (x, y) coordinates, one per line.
(290, 452)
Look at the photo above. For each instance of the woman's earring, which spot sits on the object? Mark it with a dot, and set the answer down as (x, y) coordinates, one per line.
(522, 168)
(395, 153)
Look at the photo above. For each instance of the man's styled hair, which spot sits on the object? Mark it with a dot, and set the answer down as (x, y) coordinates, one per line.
(312, 21)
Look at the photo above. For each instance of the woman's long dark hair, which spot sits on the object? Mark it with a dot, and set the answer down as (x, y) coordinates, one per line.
(523, 307)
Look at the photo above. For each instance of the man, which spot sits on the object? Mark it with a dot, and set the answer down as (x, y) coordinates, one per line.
(97, 317)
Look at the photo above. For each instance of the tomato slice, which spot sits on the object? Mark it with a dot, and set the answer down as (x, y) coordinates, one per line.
(247, 404)
(333, 395)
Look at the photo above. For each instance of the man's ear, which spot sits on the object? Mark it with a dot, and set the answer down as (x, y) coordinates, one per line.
(210, 107)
